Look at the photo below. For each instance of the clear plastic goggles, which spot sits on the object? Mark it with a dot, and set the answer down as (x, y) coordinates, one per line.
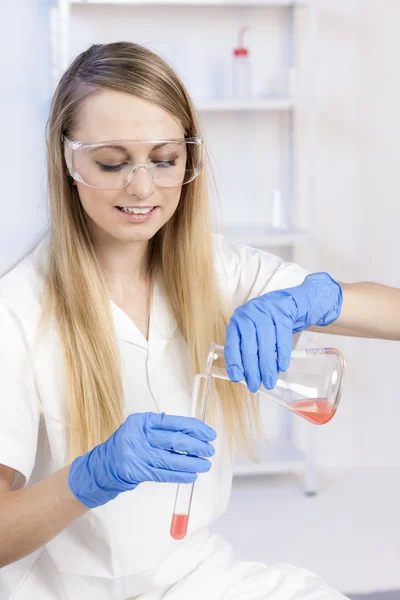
(112, 165)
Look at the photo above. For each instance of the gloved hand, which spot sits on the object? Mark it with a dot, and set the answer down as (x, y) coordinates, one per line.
(146, 447)
(259, 335)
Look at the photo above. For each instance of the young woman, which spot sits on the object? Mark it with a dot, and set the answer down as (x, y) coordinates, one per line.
(103, 326)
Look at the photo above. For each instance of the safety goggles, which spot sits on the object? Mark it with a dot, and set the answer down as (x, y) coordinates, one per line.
(113, 164)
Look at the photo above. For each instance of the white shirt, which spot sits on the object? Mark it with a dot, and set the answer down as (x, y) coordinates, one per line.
(119, 549)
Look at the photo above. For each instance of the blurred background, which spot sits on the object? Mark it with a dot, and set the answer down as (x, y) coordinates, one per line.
(302, 126)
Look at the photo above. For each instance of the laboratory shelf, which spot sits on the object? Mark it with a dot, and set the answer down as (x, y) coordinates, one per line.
(274, 457)
(260, 237)
(296, 27)
(256, 104)
(272, 3)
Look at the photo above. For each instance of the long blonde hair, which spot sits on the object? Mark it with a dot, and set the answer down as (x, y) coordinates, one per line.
(180, 255)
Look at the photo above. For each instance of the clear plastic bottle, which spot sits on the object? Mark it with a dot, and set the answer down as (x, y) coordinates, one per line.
(241, 70)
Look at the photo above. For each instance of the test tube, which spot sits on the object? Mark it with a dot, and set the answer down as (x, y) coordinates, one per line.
(184, 492)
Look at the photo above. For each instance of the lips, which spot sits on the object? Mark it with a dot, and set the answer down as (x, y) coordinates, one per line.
(137, 217)
(136, 210)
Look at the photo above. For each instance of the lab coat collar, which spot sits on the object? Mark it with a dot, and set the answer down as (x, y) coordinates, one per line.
(125, 329)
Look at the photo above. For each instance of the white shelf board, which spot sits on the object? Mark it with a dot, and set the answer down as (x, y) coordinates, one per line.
(259, 236)
(276, 3)
(274, 457)
(256, 104)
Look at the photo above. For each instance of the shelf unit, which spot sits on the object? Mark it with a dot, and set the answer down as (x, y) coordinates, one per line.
(262, 104)
(282, 455)
(260, 237)
(273, 3)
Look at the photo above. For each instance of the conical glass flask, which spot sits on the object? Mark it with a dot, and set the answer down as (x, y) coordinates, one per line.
(311, 388)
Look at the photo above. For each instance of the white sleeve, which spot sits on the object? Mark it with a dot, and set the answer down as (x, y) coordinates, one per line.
(244, 273)
(19, 408)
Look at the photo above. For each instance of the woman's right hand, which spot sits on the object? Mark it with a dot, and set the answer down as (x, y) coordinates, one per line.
(146, 447)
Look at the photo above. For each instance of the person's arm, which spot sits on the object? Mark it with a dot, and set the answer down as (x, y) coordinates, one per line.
(369, 310)
(146, 447)
(31, 517)
(263, 326)
(259, 336)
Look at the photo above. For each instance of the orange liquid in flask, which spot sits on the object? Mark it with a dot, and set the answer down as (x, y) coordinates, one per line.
(316, 410)
(179, 526)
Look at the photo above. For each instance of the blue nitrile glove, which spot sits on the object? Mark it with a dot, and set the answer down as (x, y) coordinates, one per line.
(259, 335)
(146, 447)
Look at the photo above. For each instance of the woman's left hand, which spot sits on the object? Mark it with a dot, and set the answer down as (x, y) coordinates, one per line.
(259, 335)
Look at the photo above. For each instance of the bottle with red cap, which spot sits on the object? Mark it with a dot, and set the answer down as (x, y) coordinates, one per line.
(241, 69)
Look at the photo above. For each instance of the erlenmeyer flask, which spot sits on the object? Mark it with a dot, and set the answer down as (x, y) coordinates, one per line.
(311, 387)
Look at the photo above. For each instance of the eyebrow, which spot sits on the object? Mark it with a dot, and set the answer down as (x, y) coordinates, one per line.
(124, 149)
(114, 146)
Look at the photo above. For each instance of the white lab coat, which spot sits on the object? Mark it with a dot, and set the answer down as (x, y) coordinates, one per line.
(123, 549)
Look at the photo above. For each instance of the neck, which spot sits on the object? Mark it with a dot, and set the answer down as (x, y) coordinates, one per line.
(124, 265)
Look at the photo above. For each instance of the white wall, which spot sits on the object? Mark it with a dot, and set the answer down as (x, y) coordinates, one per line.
(357, 216)
(24, 96)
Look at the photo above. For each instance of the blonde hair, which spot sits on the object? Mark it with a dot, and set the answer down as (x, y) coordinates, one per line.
(180, 255)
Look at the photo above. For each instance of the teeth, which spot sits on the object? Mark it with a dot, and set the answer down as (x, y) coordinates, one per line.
(137, 211)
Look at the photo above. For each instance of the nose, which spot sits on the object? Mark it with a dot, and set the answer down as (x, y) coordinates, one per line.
(142, 184)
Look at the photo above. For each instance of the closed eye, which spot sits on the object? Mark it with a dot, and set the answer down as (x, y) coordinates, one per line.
(110, 168)
(164, 163)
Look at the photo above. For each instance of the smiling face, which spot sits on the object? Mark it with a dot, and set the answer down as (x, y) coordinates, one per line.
(136, 212)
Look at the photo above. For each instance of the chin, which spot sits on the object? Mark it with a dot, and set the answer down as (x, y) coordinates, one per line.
(139, 233)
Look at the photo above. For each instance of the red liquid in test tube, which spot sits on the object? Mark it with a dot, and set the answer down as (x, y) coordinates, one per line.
(179, 525)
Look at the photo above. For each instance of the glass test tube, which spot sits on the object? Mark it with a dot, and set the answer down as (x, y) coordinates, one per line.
(184, 493)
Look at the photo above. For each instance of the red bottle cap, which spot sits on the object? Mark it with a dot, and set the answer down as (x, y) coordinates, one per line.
(241, 52)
